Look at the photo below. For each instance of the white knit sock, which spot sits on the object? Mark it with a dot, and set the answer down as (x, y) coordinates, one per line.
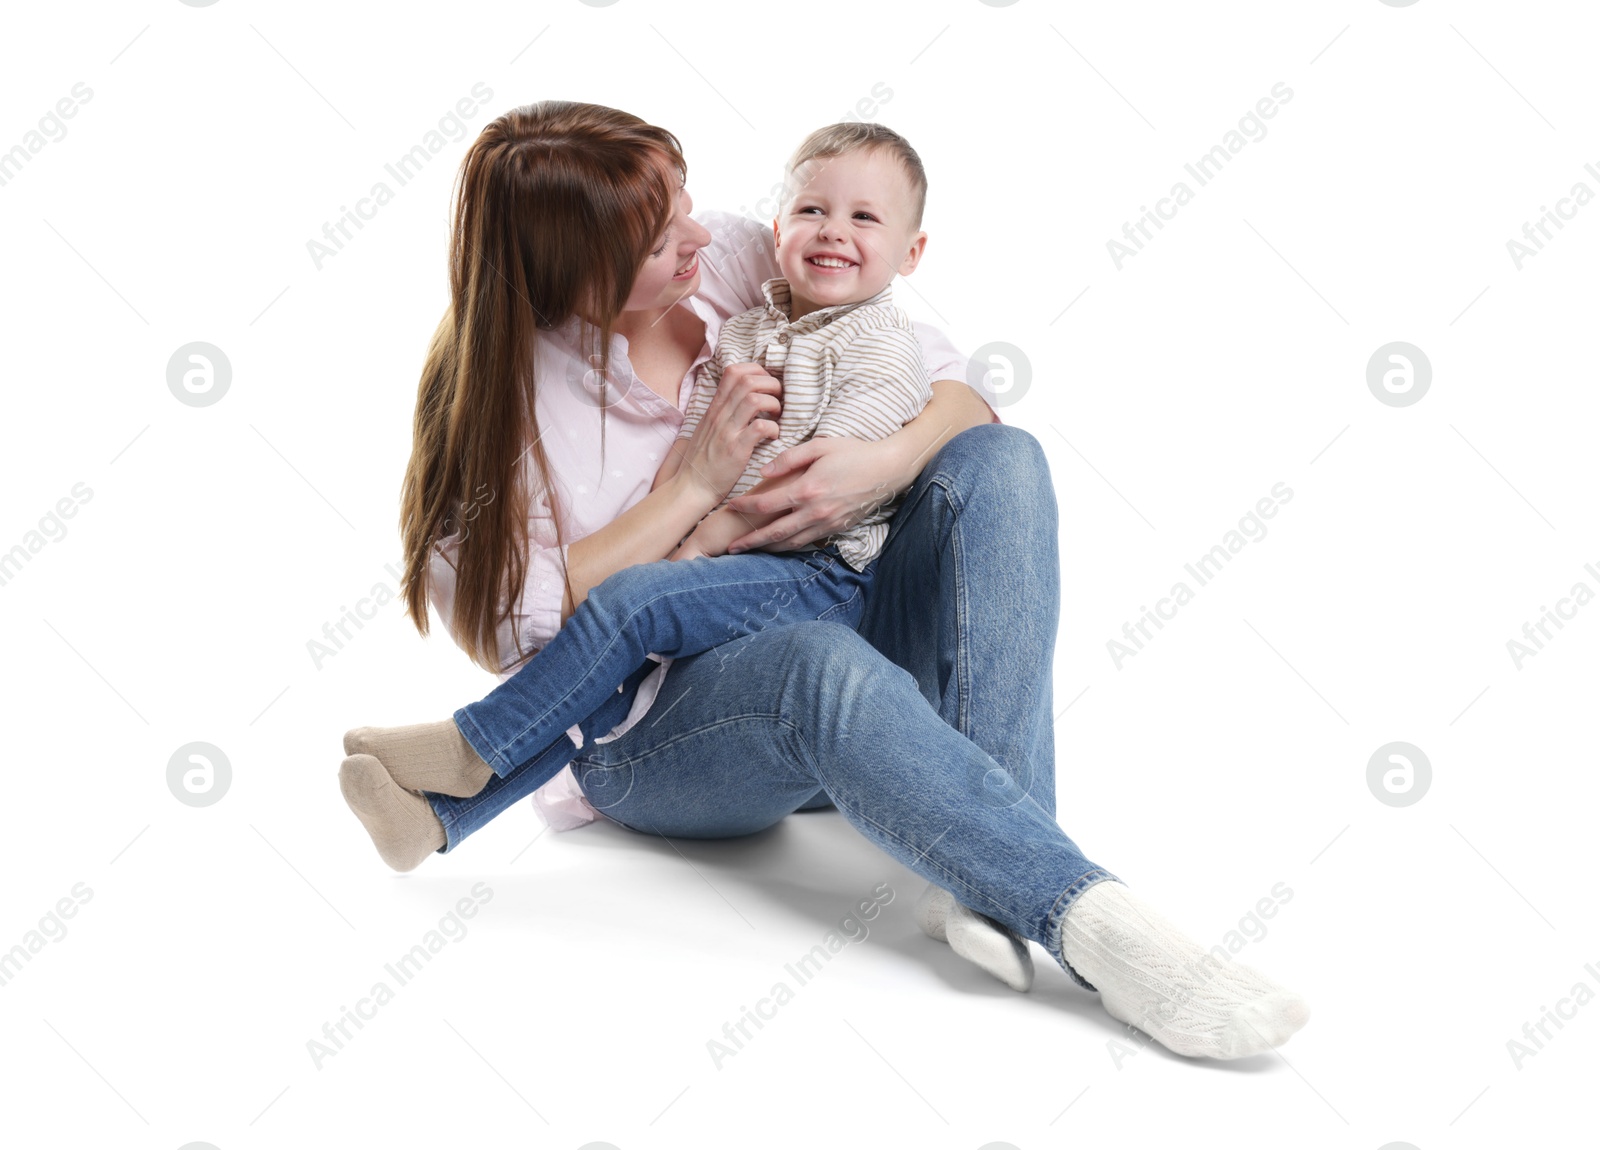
(1153, 976)
(975, 937)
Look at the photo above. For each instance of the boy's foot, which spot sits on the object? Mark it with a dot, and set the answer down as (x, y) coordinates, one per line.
(424, 757)
(1153, 976)
(402, 825)
(978, 939)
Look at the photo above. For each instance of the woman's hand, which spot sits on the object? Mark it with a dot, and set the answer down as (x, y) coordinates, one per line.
(743, 413)
(825, 484)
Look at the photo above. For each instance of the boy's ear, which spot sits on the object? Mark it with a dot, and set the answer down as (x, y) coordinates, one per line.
(914, 256)
(775, 237)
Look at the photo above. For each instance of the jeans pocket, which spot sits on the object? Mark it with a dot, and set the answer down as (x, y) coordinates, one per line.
(845, 611)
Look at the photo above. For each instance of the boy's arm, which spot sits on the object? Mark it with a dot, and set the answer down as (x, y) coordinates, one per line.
(880, 385)
(720, 528)
(814, 480)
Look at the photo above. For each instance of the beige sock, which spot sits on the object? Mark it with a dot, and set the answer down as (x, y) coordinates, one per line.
(402, 825)
(424, 757)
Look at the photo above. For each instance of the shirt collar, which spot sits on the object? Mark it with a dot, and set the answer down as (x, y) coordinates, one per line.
(780, 301)
(582, 341)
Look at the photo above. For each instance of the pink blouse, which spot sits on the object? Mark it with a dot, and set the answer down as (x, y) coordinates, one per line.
(639, 429)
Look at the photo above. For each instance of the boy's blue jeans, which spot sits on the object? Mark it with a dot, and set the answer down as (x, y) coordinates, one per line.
(929, 724)
(670, 608)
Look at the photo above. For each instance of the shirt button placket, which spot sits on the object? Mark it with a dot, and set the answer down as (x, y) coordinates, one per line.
(777, 351)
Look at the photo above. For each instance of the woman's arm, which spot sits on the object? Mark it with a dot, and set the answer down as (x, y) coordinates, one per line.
(830, 484)
(669, 465)
(644, 533)
(738, 415)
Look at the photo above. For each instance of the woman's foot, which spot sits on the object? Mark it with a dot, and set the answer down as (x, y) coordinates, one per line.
(1153, 976)
(402, 825)
(978, 939)
(424, 757)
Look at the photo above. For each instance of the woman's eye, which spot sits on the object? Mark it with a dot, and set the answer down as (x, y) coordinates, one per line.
(659, 250)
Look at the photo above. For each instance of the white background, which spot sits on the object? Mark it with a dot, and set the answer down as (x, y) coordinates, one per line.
(1228, 756)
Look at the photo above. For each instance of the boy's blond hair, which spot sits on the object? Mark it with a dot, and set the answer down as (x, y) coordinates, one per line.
(850, 136)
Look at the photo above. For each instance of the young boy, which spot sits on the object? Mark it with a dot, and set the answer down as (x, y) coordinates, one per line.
(847, 357)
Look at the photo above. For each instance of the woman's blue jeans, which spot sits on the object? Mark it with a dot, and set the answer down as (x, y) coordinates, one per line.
(929, 726)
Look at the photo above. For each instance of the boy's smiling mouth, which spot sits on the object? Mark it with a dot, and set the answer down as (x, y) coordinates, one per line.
(830, 263)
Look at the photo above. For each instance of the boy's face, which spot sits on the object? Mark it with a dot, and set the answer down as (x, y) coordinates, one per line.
(848, 230)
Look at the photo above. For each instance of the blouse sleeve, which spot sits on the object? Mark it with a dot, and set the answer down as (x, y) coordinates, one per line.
(740, 258)
(535, 617)
(943, 361)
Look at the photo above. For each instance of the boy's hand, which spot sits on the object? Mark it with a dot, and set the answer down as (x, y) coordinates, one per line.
(688, 549)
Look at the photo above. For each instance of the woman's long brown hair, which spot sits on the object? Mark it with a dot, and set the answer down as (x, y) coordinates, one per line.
(556, 206)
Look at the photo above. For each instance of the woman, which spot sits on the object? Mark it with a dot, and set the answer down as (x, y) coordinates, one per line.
(576, 273)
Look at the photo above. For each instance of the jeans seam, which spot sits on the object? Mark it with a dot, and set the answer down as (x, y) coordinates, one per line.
(454, 814)
(954, 878)
(640, 756)
(963, 654)
(841, 605)
(479, 741)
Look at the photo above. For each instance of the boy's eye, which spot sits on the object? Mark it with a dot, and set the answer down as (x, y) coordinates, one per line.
(866, 216)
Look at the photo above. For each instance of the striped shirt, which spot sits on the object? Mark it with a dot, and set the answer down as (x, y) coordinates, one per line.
(854, 370)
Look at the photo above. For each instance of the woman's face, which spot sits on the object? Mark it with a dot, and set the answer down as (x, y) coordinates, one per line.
(672, 270)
